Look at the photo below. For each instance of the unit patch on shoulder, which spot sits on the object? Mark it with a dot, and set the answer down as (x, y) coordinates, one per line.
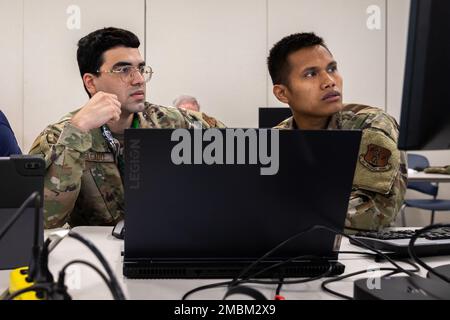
(376, 158)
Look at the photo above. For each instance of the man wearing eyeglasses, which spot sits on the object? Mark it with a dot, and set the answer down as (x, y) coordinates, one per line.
(84, 150)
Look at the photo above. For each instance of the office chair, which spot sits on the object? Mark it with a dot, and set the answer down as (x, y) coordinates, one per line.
(418, 162)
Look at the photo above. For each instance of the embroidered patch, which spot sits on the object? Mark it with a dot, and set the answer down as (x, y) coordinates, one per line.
(99, 157)
(376, 158)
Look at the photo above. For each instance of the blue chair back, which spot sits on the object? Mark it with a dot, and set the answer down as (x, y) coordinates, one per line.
(419, 162)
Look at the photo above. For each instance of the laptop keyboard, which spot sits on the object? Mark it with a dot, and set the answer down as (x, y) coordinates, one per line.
(436, 234)
(433, 243)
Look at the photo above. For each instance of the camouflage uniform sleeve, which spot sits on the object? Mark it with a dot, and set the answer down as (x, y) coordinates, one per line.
(62, 146)
(170, 117)
(380, 178)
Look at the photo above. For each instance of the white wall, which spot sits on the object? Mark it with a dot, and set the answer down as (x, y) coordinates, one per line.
(217, 50)
(52, 83)
(214, 50)
(11, 64)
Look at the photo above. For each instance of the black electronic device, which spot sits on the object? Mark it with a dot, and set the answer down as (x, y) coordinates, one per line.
(425, 116)
(204, 220)
(401, 288)
(395, 242)
(443, 270)
(271, 117)
(21, 176)
(412, 287)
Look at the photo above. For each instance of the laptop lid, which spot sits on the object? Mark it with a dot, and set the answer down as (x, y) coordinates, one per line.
(180, 207)
(20, 177)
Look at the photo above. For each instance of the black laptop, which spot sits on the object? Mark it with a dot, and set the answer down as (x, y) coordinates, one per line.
(271, 117)
(215, 216)
(20, 177)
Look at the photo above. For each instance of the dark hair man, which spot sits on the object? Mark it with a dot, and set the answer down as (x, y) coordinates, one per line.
(305, 76)
(84, 150)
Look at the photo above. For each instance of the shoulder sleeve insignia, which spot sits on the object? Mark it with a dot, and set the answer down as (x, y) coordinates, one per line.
(376, 158)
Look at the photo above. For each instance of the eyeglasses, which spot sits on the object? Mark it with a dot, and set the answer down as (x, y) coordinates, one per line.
(127, 73)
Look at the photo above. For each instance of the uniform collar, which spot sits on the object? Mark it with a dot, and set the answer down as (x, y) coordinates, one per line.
(143, 123)
(335, 122)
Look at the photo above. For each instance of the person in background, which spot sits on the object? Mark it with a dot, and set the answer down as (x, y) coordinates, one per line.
(8, 142)
(187, 103)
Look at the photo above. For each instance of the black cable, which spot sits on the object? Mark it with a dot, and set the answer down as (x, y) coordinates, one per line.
(414, 256)
(390, 274)
(208, 286)
(237, 280)
(412, 264)
(101, 258)
(62, 274)
(37, 287)
(215, 285)
(326, 282)
(336, 279)
(317, 227)
(375, 256)
(37, 221)
(235, 284)
(278, 264)
(247, 279)
(228, 283)
(280, 285)
(309, 279)
(243, 290)
(378, 252)
(416, 269)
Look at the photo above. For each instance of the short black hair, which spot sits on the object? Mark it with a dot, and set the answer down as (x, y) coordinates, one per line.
(91, 47)
(277, 61)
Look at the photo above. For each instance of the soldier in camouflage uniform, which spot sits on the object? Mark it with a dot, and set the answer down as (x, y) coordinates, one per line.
(305, 77)
(84, 150)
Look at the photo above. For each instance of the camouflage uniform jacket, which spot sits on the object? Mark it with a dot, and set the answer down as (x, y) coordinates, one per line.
(380, 179)
(82, 183)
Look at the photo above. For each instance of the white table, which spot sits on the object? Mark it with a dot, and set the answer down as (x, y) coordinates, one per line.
(84, 283)
(428, 177)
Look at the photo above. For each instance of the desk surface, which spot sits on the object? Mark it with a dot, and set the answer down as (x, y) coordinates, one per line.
(428, 177)
(84, 283)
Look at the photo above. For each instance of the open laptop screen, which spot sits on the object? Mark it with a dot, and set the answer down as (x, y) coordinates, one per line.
(252, 197)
